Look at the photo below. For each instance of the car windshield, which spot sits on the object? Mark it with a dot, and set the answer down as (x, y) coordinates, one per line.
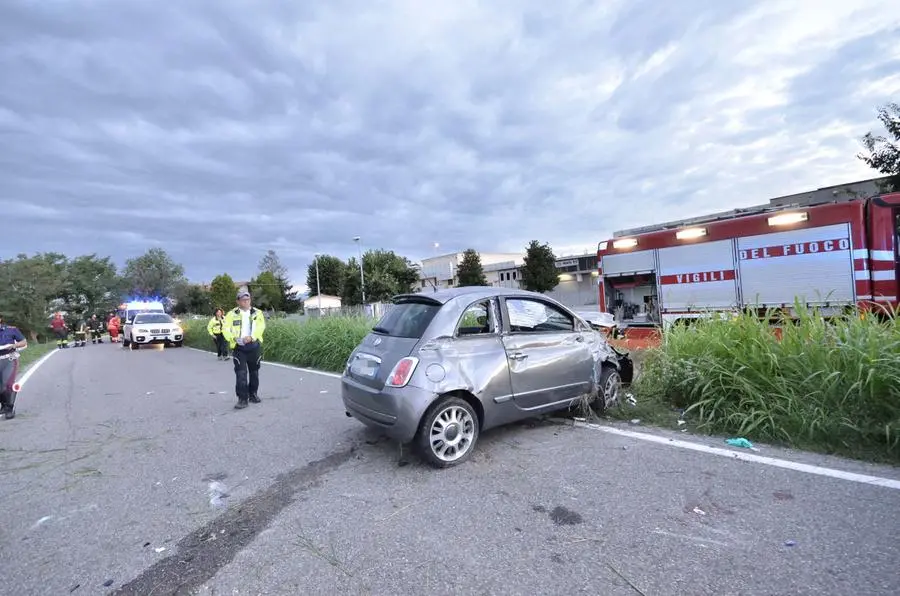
(153, 318)
(407, 319)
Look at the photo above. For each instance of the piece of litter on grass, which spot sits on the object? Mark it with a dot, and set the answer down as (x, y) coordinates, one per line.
(577, 419)
(635, 420)
(160, 549)
(699, 511)
(681, 422)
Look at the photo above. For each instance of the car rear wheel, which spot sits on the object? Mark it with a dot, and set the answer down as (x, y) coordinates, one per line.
(448, 432)
(608, 390)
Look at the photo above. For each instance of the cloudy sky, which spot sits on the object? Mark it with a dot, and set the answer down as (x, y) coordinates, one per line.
(221, 128)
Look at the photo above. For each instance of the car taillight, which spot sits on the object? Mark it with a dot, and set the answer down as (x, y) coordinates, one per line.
(402, 372)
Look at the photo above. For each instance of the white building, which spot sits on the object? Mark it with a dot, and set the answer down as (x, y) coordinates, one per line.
(440, 272)
(311, 304)
(578, 279)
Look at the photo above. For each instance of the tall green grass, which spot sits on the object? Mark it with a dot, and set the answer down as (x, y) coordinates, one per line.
(323, 344)
(830, 385)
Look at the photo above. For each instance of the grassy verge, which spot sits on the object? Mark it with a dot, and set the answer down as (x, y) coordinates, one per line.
(827, 386)
(323, 344)
(32, 354)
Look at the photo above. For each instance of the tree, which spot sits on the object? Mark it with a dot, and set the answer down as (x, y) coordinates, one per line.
(222, 292)
(268, 291)
(539, 272)
(332, 272)
(191, 298)
(351, 291)
(31, 286)
(272, 263)
(470, 271)
(92, 285)
(883, 154)
(153, 274)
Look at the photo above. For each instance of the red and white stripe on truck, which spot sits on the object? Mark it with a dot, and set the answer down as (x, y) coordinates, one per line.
(831, 254)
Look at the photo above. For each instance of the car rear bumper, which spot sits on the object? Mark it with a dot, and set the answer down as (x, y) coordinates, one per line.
(394, 410)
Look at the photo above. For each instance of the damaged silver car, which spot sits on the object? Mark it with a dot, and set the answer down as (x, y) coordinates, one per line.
(440, 368)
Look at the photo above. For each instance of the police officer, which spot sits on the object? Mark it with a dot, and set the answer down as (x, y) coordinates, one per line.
(243, 329)
(11, 340)
(214, 328)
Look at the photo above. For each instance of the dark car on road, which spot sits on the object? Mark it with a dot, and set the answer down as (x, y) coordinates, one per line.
(441, 367)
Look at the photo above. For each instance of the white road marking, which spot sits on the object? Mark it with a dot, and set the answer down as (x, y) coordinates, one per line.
(34, 367)
(759, 459)
(280, 365)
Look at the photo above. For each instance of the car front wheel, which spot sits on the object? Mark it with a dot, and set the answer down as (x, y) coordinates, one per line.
(608, 390)
(448, 432)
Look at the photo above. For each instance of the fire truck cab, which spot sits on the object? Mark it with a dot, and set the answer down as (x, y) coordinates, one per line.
(831, 254)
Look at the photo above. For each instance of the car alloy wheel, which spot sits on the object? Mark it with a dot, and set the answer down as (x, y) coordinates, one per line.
(448, 432)
(609, 387)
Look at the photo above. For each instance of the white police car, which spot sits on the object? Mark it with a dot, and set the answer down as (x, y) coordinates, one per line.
(152, 328)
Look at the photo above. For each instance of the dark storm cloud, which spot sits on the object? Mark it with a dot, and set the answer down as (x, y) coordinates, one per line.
(219, 129)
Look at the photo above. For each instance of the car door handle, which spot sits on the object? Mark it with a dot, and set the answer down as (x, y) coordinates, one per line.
(518, 356)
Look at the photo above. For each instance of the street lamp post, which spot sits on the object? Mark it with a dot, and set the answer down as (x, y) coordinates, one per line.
(362, 277)
(318, 286)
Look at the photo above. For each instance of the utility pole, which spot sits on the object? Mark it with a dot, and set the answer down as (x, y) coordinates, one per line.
(362, 277)
(318, 286)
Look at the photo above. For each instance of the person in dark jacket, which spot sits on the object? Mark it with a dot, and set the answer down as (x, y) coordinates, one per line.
(95, 326)
(11, 341)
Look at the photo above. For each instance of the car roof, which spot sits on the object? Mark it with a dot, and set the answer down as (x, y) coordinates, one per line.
(471, 292)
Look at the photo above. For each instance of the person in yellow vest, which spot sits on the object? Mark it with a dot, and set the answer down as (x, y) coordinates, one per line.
(215, 330)
(243, 329)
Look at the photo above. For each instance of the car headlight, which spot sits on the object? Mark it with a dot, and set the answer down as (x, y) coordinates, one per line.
(177, 330)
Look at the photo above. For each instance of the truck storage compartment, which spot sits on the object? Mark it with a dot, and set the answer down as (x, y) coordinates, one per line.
(698, 277)
(814, 265)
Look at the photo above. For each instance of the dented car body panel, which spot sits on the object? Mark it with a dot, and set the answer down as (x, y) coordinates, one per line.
(513, 354)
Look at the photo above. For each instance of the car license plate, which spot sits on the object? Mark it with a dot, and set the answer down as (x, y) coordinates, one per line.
(364, 367)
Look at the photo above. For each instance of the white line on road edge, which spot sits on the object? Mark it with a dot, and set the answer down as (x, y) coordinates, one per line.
(35, 366)
(769, 461)
(280, 365)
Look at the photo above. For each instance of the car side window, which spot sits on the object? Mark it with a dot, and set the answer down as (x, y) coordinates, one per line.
(476, 320)
(534, 316)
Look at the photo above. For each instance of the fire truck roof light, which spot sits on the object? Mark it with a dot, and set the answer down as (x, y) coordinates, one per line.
(690, 233)
(786, 219)
(625, 243)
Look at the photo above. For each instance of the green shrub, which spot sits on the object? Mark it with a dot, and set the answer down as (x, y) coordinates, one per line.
(831, 385)
(323, 344)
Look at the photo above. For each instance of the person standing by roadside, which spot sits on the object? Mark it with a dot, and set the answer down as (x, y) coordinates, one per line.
(243, 329)
(215, 330)
(95, 325)
(61, 330)
(80, 333)
(11, 340)
(112, 325)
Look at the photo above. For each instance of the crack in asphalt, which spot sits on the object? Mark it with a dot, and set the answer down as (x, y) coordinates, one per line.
(203, 552)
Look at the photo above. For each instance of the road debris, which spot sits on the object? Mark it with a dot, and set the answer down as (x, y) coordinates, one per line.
(699, 511)
(742, 443)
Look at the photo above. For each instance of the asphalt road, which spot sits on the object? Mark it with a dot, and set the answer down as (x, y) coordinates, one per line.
(114, 472)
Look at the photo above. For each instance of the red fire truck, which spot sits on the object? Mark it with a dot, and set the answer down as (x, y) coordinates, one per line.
(831, 254)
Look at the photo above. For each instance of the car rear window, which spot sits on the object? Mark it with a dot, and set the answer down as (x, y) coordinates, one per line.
(407, 319)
